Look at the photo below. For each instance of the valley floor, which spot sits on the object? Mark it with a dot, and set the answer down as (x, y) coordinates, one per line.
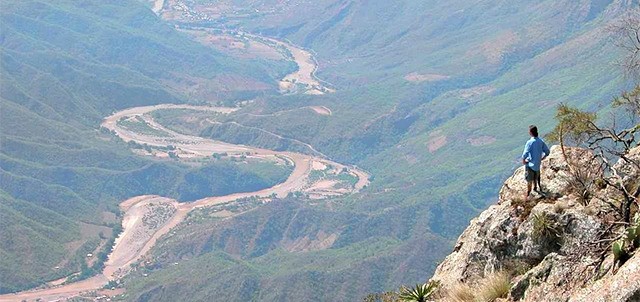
(149, 217)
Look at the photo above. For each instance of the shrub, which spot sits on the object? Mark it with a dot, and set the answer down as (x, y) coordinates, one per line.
(584, 178)
(629, 241)
(544, 228)
(420, 293)
(381, 297)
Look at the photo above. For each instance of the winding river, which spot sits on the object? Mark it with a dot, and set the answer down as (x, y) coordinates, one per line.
(136, 241)
(130, 246)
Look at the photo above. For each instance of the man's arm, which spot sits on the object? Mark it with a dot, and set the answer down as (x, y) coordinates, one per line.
(545, 150)
(526, 153)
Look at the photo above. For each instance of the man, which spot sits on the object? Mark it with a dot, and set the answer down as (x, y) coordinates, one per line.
(535, 150)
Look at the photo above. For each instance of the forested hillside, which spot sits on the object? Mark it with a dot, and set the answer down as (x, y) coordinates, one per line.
(65, 65)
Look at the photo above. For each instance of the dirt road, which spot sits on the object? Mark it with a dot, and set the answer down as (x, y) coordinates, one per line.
(143, 226)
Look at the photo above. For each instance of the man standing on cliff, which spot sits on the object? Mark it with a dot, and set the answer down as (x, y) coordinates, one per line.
(535, 150)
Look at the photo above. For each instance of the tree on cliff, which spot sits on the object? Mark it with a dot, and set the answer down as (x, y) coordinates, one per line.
(608, 143)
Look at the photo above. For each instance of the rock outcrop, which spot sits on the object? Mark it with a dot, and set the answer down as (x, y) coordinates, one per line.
(554, 246)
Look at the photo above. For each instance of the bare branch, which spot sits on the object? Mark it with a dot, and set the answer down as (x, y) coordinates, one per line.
(626, 34)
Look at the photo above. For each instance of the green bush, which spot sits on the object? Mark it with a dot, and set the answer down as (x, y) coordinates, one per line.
(544, 229)
(419, 293)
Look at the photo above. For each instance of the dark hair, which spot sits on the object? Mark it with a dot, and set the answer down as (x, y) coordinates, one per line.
(533, 130)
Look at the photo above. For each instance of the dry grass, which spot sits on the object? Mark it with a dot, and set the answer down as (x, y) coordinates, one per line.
(494, 286)
(560, 206)
(460, 292)
(488, 289)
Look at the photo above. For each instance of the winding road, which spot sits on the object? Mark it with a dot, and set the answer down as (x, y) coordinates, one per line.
(131, 246)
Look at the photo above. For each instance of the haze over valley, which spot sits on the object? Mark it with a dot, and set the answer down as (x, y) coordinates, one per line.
(259, 150)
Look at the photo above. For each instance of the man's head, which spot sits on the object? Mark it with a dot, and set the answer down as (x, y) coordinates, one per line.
(533, 130)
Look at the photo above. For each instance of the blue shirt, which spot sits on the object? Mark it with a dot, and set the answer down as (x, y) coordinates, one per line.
(533, 151)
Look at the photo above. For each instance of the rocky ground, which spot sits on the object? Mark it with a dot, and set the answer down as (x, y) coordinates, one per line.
(552, 247)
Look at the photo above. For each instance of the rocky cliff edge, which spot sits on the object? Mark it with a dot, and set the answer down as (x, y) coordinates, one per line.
(555, 246)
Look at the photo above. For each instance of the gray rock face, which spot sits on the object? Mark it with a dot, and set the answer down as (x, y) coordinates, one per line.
(480, 246)
(550, 244)
(623, 286)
